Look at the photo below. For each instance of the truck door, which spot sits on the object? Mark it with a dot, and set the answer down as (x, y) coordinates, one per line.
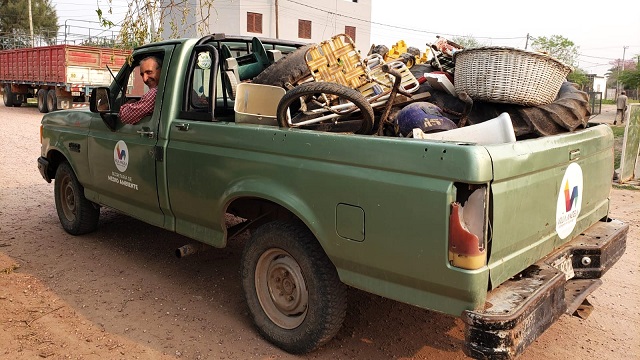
(196, 181)
(123, 161)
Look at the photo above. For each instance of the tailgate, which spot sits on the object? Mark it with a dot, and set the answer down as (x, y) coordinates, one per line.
(545, 192)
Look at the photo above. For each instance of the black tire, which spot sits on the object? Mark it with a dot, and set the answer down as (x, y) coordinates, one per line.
(52, 100)
(293, 291)
(360, 122)
(77, 214)
(380, 50)
(290, 69)
(413, 51)
(408, 59)
(7, 96)
(42, 101)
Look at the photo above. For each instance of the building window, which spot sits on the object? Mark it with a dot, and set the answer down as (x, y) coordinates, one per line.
(254, 22)
(304, 29)
(351, 31)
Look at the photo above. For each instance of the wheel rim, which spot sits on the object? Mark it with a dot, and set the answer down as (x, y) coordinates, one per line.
(281, 288)
(68, 198)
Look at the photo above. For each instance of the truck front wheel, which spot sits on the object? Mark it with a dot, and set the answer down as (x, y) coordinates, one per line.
(292, 289)
(77, 214)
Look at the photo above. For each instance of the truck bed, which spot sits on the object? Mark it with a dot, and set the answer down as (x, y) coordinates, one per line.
(60, 64)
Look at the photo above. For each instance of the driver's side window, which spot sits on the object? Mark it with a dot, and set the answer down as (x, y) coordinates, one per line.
(132, 86)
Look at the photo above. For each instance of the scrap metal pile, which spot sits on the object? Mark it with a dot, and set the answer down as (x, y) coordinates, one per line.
(435, 94)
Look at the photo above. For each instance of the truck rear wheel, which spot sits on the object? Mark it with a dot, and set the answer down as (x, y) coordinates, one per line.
(293, 291)
(7, 96)
(42, 101)
(52, 100)
(77, 214)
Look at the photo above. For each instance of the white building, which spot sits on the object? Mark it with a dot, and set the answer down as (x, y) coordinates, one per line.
(298, 20)
(599, 84)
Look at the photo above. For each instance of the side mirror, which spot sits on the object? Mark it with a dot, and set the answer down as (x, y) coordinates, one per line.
(99, 101)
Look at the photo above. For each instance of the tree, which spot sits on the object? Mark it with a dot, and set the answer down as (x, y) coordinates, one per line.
(578, 76)
(558, 47)
(630, 79)
(468, 42)
(616, 74)
(14, 22)
(144, 17)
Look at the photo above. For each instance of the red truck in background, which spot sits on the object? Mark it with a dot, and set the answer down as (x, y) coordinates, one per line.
(58, 75)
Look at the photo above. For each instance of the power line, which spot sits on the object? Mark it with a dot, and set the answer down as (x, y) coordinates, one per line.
(399, 27)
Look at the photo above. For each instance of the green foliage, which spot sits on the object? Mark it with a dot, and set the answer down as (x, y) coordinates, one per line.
(145, 18)
(559, 47)
(630, 79)
(579, 77)
(14, 21)
(615, 72)
(618, 137)
(468, 42)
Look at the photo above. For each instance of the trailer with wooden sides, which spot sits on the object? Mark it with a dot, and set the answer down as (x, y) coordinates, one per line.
(58, 76)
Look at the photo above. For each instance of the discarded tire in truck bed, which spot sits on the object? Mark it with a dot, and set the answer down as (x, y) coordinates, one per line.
(290, 69)
(568, 112)
(313, 111)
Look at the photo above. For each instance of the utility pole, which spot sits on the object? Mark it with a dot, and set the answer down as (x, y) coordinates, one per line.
(31, 24)
(277, 29)
(526, 44)
(624, 50)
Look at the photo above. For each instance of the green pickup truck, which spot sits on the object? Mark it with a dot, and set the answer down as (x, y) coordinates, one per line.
(507, 236)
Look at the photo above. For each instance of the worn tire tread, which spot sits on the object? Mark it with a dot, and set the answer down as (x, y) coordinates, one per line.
(87, 215)
(323, 321)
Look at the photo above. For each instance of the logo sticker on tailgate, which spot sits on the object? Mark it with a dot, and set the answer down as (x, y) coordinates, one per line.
(569, 200)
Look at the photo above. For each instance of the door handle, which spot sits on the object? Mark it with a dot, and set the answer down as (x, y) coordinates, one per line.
(145, 131)
(183, 127)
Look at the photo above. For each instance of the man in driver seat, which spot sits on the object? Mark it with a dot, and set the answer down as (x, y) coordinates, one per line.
(134, 111)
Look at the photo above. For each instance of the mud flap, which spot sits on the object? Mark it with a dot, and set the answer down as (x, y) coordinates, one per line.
(522, 308)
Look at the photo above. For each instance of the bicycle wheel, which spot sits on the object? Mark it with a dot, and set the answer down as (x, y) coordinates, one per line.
(325, 106)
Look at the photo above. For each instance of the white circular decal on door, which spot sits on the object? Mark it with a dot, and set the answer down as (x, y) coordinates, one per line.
(569, 200)
(121, 156)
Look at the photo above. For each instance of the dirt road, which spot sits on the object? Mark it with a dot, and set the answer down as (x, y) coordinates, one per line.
(120, 293)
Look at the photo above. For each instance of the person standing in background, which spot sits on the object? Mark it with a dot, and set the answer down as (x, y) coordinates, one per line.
(621, 107)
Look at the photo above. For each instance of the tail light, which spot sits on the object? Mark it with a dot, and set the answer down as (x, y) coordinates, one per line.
(467, 222)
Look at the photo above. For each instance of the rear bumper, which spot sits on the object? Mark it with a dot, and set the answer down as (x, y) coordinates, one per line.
(522, 308)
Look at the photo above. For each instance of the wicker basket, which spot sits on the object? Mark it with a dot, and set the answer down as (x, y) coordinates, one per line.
(508, 75)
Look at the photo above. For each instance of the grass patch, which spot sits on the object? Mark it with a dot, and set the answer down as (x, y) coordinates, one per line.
(625, 187)
(9, 269)
(618, 137)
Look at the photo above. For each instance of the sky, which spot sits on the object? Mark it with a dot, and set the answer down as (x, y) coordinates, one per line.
(600, 32)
